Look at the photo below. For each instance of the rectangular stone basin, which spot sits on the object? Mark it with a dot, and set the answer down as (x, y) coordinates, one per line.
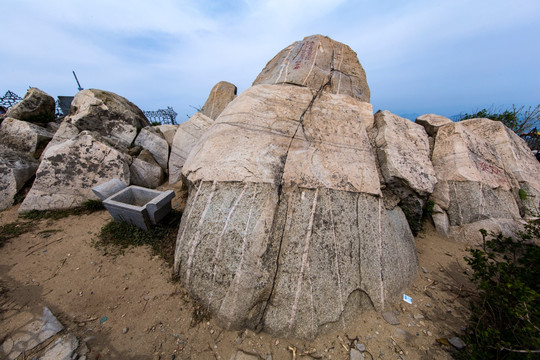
(139, 206)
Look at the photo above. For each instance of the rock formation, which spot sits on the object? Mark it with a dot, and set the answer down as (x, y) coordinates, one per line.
(104, 112)
(16, 169)
(317, 62)
(24, 136)
(168, 132)
(36, 106)
(220, 96)
(486, 175)
(185, 139)
(154, 141)
(146, 172)
(285, 227)
(403, 154)
(92, 146)
(68, 172)
(190, 132)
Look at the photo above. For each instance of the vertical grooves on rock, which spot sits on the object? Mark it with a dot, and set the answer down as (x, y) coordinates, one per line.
(283, 66)
(286, 226)
(380, 253)
(220, 238)
(195, 240)
(243, 251)
(179, 242)
(336, 258)
(304, 261)
(313, 324)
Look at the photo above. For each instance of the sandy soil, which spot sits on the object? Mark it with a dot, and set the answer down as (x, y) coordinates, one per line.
(149, 316)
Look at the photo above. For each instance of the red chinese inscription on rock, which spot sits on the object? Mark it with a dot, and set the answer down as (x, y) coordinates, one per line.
(306, 54)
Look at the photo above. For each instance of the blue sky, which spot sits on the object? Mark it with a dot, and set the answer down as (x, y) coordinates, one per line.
(442, 57)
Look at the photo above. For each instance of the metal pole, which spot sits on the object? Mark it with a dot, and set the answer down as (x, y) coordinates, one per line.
(80, 88)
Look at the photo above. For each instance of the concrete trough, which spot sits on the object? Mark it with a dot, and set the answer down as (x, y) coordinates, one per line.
(139, 206)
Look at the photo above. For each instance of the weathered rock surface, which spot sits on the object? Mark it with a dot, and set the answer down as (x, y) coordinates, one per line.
(285, 226)
(432, 123)
(110, 115)
(24, 136)
(316, 62)
(68, 172)
(481, 165)
(153, 141)
(168, 132)
(15, 170)
(220, 96)
(185, 138)
(146, 172)
(36, 106)
(403, 154)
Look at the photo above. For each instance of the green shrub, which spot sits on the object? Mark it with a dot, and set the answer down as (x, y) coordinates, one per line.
(519, 119)
(505, 321)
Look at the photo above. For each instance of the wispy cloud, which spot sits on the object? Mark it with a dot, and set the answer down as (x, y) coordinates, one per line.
(425, 55)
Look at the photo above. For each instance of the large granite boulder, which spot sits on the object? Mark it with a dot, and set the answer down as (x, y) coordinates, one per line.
(145, 171)
(154, 141)
(403, 154)
(185, 138)
(486, 175)
(36, 106)
(220, 96)
(69, 171)
(285, 228)
(106, 113)
(318, 62)
(24, 136)
(16, 169)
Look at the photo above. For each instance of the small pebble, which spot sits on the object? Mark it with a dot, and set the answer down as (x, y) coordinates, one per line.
(125, 330)
(356, 355)
(457, 343)
(424, 270)
(361, 347)
(428, 305)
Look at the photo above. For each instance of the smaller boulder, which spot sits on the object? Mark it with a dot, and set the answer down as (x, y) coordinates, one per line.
(187, 135)
(403, 154)
(220, 96)
(153, 141)
(24, 136)
(36, 106)
(146, 172)
(112, 116)
(70, 170)
(168, 132)
(432, 123)
(16, 169)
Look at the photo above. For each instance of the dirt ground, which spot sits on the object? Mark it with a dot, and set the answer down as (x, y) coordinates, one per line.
(128, 306)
